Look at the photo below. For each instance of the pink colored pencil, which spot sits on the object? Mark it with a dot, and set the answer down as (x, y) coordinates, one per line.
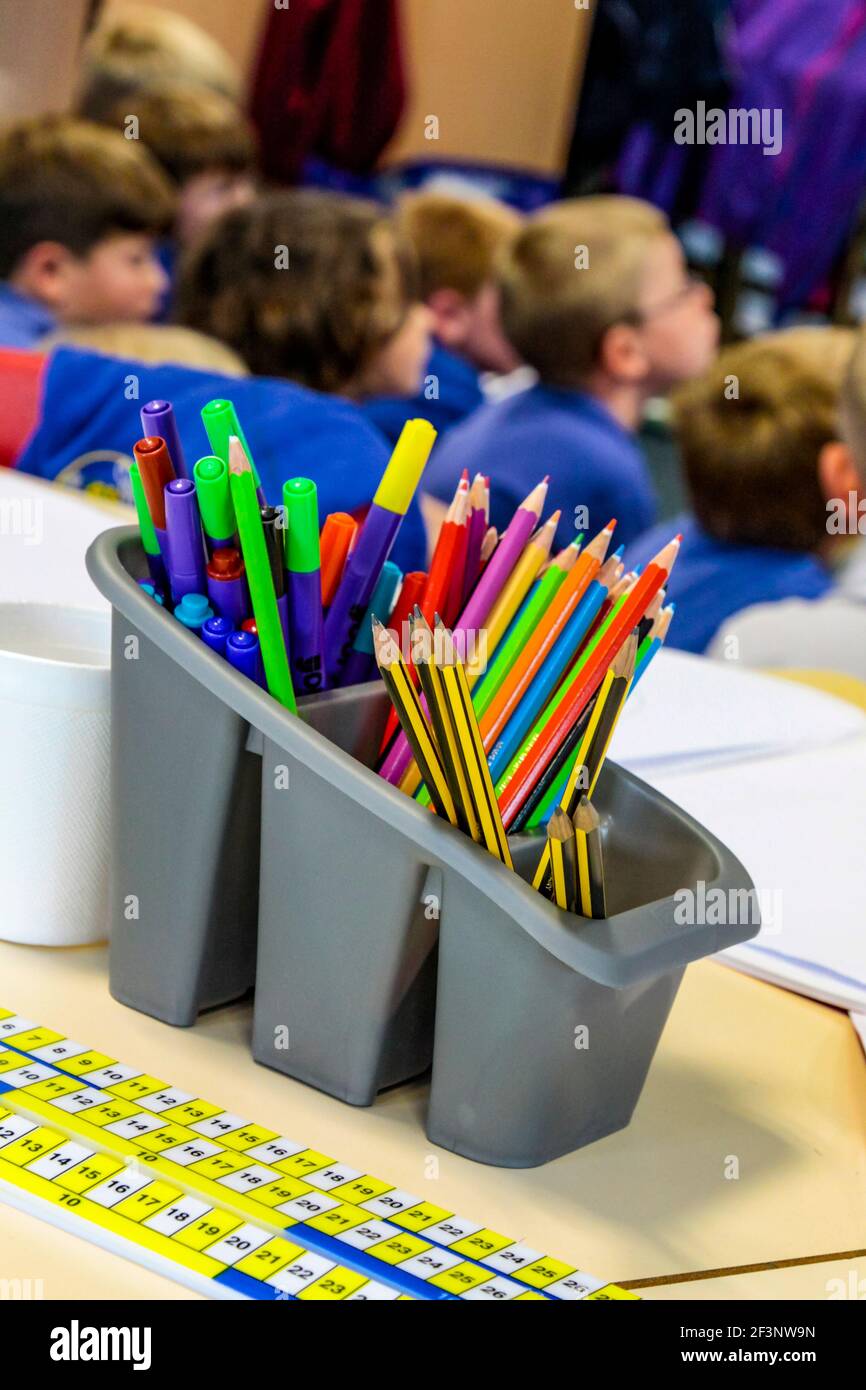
(486, 591)
(477, 527)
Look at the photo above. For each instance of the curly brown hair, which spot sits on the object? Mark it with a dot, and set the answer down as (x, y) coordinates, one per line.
(306, 285)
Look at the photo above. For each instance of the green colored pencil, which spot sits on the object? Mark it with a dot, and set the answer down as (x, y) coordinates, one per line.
(261, 584)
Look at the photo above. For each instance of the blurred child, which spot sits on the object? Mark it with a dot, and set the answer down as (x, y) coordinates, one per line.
(753, 432)
(312, 286)
(143, 46)
(457, 241)
(827, 633)
(595, 297)
(202, 140)
(80, 211)
(150, 342)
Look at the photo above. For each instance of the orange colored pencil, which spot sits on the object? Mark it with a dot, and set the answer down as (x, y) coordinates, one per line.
(569, 709)
(529, 662)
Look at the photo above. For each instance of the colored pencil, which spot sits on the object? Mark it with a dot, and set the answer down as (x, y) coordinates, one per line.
(258, 571)
(562, 847)
(471, 752)
(557, 725)
(479, 508)
(405, 698)
(535, 554)
(422, 643)
(596, 740)
(591, 898)
(444, 557)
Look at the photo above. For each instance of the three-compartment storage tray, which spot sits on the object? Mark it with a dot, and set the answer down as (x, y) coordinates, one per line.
(251, 846)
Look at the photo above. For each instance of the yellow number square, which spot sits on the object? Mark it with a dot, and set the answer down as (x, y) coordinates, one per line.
(613, 1291)
(89, 1172)
(53, 1087)
(219, 1165)
(361, 1189)
(165, 1138)
(191, 1112)
(148, 1201)
(481, 1244)
(274, 1194)
(461, 1278)
(247, 1137)
(336, 1284)
(136, 1087)
(423, 1214)
(398, 1249)
(270, 1258)
(10, 1061)
(307, 1161)
(87, 1061)
(111, 1110)
(545, 1271)
(32, 1146)
(32, 1038)
(530, 1294)
(338, 1219)
(207, 1229)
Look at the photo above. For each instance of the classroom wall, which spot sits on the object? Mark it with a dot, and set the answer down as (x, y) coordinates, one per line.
(38, 43)
(501, 76)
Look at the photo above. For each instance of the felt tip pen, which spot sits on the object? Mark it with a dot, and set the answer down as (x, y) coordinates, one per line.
(215, 502)
(151, 592)
(220, 420)
(303, 573)
(227, 585)
(193, 611)
(361, 665)
(149, 541)
(157, 418)
(244, 653)
(156, 472)
(272, 525)
(186, 557)
(375, 539)
(215, 633)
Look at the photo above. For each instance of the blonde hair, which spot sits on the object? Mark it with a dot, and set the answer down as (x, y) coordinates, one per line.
(75, 183)
(751, 431)
(574, 271)
(155, 343)
(457, 241)
(852, 405)
(142, 46)
(190, 130)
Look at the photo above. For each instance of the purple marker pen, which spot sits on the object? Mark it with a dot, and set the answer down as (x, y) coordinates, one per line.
(215, 634)
(185, 560)
(244, 653)
(157, 417)
(274, 547)
(227, 585)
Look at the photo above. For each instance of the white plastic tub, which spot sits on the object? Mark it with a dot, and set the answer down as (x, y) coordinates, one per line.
(54, 773)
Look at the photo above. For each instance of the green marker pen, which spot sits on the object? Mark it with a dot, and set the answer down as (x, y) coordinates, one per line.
(215, 502)
(221, 422)
(306, 619)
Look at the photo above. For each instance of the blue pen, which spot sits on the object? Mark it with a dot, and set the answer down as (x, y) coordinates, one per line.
(215, 633)
(548, 677)
(361, 663)
(243, 652)
(193, 611)
(151, 592)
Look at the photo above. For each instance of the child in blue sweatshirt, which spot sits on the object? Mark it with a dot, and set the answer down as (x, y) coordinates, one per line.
(756, 434)
(595, 296)
(457, 242)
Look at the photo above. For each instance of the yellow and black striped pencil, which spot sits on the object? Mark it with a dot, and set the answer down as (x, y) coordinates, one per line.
(590, 864)
(423, 659)
(563, 861)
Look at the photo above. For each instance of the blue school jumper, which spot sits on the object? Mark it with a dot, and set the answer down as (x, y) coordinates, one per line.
(451, 391)
(23, 321)
(593, 462)
(712, 579)
(91, 403)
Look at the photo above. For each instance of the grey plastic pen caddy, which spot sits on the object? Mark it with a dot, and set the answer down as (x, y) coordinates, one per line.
(386, 941)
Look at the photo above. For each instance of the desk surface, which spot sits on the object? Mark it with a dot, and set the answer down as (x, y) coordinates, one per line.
(744, 1072)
